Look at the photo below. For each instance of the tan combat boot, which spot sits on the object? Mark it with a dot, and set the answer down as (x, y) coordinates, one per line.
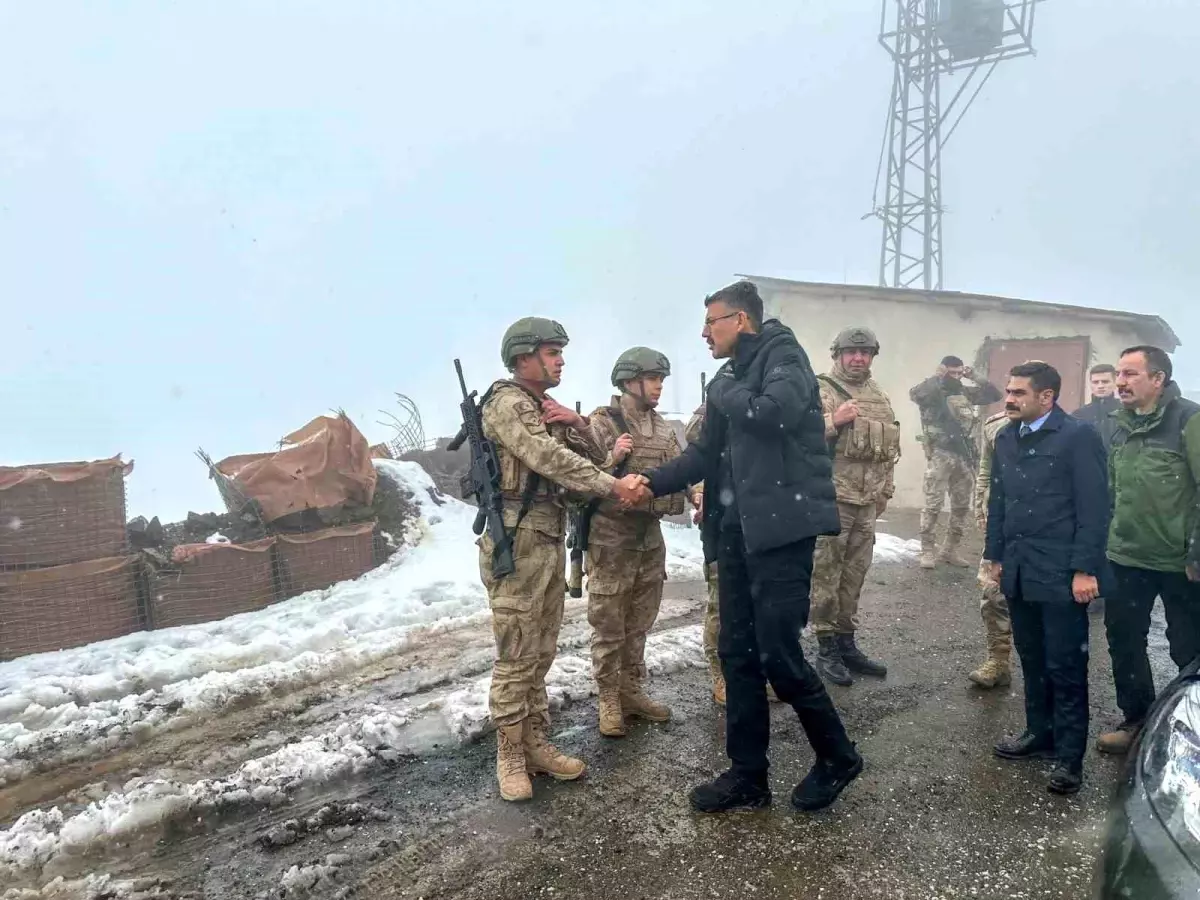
(612, 720)
(510, 763)
(952, 556)
(1119, 741)
(993, 673)
(543, 758)
(928, 553)
(636, 705)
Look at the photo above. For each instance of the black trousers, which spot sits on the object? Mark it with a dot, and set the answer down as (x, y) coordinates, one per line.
(1050, 631)
(764, 600)
(1127, 622)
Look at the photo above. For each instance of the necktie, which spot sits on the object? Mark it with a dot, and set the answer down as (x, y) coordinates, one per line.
(1026, 431)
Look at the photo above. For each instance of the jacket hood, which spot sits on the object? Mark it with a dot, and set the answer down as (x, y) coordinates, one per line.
(773, 333)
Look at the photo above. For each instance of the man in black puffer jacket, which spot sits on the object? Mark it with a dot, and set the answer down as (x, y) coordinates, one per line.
(763, 457)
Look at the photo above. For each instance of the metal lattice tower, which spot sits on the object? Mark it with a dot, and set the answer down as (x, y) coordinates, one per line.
(929, 41)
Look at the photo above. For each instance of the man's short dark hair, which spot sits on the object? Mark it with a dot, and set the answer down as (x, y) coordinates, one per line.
(1103, 369)
(1043, 376)
(743, 296)
(1156, 359)
(952, 362)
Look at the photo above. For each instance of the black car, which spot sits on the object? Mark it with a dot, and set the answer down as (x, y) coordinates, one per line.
(1152, 850)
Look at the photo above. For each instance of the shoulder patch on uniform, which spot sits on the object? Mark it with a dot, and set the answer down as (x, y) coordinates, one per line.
(513, 400)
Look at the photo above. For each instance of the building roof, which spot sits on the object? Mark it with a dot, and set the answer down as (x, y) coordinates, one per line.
(1155, 328)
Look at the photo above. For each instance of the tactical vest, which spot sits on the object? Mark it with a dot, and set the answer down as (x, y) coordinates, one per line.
(874, 437)
(964, 413)
(515, 477)
(649, 452)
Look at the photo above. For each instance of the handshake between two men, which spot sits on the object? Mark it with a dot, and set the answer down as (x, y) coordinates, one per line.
(629, 491)
(632, 490)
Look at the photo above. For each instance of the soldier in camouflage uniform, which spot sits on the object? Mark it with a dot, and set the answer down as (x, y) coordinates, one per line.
(544, 449)
(996, 670)
(712, 614)
(864, 437)
(626, 556)
(950, 433)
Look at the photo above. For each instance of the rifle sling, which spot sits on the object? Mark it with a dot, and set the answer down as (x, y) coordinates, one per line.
(845, 394)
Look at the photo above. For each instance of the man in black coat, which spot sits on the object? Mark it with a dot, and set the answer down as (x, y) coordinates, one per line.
(769, 487)
(1102, 380)
(1046, 534)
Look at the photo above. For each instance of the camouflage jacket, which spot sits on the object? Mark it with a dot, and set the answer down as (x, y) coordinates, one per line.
(983, 478)
(691, 432)
(563, 459)
(654, 442)
(940, 409)
(867, 450)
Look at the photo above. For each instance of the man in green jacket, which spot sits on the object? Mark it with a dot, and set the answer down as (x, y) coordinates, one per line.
(1154, 536)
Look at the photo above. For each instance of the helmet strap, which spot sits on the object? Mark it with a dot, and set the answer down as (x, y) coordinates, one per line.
(639, 395)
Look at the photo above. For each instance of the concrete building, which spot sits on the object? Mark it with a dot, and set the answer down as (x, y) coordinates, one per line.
(918, 328)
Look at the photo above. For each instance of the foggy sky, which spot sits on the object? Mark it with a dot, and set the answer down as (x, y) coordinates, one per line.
(218, 220)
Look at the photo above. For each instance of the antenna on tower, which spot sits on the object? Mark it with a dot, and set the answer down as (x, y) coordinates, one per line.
(928, 41)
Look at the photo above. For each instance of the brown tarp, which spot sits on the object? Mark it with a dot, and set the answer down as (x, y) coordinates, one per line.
(57, 513)
(212, 581)
(67, 606)
(324, 465)
(314, 561)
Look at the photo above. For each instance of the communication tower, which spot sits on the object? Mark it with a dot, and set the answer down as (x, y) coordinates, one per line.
(959, 42)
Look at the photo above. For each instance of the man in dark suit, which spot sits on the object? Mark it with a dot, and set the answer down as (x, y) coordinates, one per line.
(768, 478)
(1047, 523)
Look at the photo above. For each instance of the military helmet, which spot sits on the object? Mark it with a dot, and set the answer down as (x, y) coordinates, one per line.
(639, 361)
(856, 338)
(526, 335)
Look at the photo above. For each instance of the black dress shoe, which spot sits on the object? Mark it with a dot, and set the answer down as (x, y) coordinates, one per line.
(1065, 780)
(730, 791)
(1026, 746)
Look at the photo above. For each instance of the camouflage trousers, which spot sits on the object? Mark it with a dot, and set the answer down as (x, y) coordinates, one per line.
(712, 617)
(946, 473)
(625, 589)
(840, 567)
(993, 609)
(527, 612)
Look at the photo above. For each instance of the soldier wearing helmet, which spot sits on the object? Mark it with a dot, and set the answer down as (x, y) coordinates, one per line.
(949, 403)
(544, 450)
(626, 556)
(864, 440)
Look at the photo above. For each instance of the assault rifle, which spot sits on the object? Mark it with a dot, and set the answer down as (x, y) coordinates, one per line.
(482, 480)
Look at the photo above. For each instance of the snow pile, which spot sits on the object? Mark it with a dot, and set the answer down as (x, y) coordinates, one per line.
(685, 555)
(45, 841)
(90, 699)
(889, 548)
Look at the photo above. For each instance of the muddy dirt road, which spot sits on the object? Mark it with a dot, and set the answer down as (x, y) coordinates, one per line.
(933, 816)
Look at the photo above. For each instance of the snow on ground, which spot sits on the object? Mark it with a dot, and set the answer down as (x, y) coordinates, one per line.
(889, 548)
(89, 700)
(47, 843)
